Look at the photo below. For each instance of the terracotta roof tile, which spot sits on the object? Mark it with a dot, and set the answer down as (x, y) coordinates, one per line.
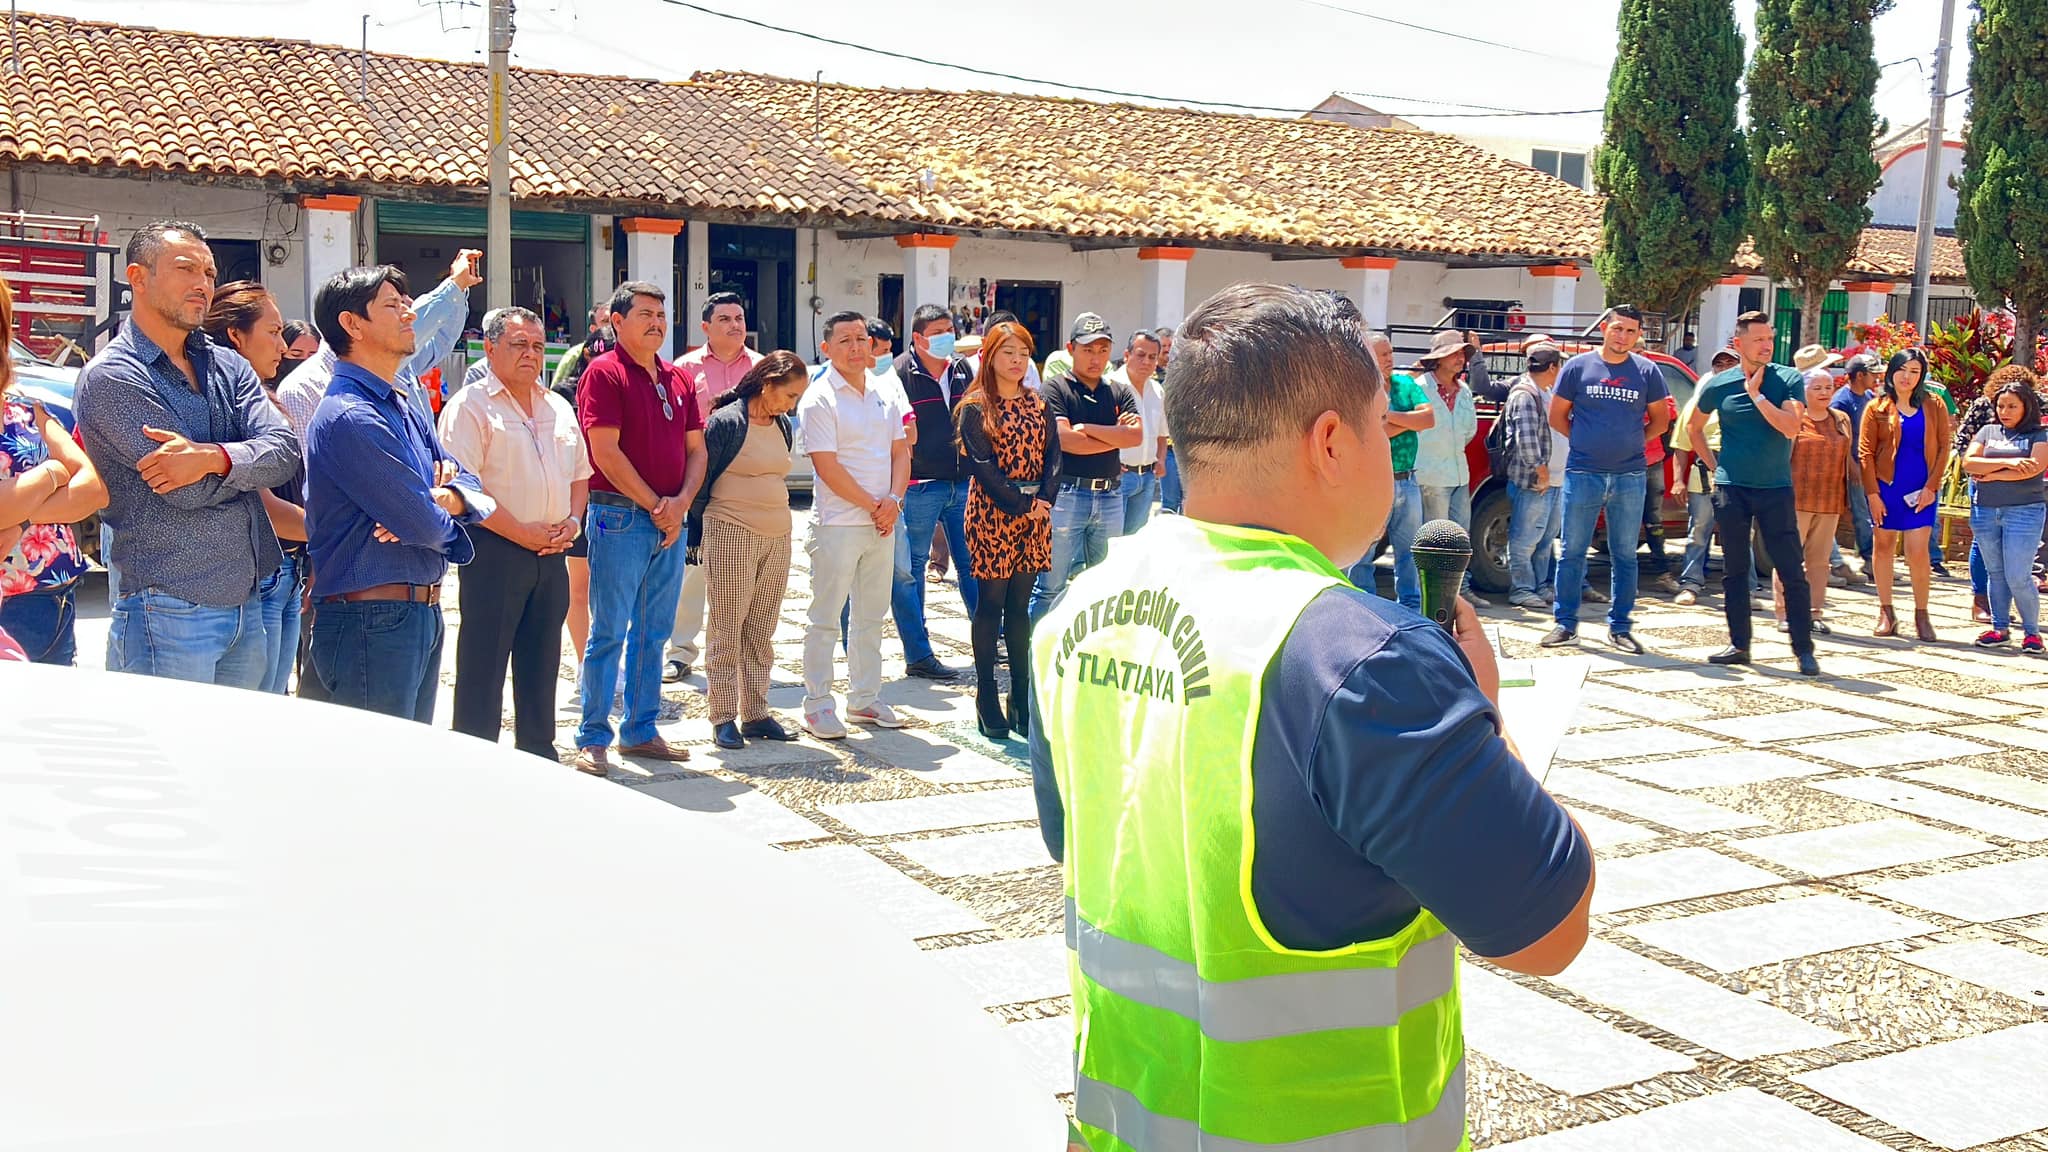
(103, 94)
(1885, 254)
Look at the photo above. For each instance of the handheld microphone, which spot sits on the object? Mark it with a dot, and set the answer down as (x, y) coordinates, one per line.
(1442, 552)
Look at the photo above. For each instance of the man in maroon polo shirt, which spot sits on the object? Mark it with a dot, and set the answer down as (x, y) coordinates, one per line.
(646, 437)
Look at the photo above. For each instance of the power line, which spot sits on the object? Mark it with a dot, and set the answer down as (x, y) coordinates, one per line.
(1449, 34)
(1118, 93)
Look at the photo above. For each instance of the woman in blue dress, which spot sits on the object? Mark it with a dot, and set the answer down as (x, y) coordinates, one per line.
(1903, 448)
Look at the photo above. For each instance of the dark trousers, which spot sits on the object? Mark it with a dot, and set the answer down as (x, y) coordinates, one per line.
(1772, 513)
(513, 605)
(380, 655)
(45, 623)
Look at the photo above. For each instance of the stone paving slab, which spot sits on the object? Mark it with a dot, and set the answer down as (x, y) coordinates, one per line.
(742, 808)
(2016, 735)
(1993, 892)
(1885, 702)
(2024, 791)
(1587, 717)
(1622, 743)
(1719, 770)
(1554, 1044)
(1605, 832)
(1891, 749)
(1009, 971)
(1744, 1120)
(2018, 973)
(1800, 722)
(1832, 664)
(2002, 671)
(898, 900)
(1849, 848)
(1742, 938)
(926, 754)
(1666, 808)
(1649, 707)
(1957, 1094)
(1914, 800)
(1700, 1011)
(932, 813)
(1688, 679)
(978, 853)
(1965, 707)
(1676, 874)
(2026, 697)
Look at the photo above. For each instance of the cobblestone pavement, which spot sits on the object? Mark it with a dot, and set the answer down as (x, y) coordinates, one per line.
(1822, 917)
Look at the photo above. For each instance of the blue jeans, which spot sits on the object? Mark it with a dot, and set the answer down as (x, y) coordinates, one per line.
(1137, 493)
(1083, 524)
(45, 623)
(1533, 521)
(1699, 511)
(283, 598)
(926, 506)
(1404, 519)
(1452, 503)
(1169, 484)
(634, 583)
(2008, 537)
(380, 655)
(157, 634)
(1586, 494)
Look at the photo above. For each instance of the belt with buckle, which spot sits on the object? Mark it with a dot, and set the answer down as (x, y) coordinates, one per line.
(1137, 467)
(1086, 484)
(409, 593)
(614, 500)
(1397, 476)
(1030, 489)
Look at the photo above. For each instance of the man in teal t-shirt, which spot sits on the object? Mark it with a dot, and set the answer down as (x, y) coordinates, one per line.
(1407, 410)
(1759, 405)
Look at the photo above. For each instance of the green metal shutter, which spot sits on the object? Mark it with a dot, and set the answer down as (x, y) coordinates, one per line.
(410, 217)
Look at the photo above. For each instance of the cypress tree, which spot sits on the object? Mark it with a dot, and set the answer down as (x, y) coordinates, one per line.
(1671, 162)
(2002, 199)
(1812, 123)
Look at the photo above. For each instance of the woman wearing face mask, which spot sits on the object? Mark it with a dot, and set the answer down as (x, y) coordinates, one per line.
(1903, 451)
(244, 317)
(2007, 458)
(740, 523)
(300, 343)
(1013, 450)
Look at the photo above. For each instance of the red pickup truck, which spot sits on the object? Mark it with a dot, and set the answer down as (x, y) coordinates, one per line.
(1490, 493)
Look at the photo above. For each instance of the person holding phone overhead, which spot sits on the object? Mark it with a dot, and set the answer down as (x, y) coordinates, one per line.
(1903, 447)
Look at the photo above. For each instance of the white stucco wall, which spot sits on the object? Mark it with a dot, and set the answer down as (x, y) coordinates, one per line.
(1897, 200)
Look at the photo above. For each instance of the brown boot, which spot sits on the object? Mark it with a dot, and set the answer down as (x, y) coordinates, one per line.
(1887, 624)
(1923, 626)
(1980, 609)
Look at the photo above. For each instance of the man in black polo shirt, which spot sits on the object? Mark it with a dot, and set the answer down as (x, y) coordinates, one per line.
(933, 380)
(1096, 417)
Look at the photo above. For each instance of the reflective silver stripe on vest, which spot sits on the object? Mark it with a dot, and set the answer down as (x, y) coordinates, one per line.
(1119, 1113)
(1264, 1007)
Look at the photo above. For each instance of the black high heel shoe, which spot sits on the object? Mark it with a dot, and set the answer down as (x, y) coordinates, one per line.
(997, 733)
(1020, 717)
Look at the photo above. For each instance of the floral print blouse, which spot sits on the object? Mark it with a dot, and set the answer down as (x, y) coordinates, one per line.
(48, 555)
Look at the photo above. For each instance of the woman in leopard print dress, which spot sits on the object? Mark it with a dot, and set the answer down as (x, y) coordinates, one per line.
(1011, 447)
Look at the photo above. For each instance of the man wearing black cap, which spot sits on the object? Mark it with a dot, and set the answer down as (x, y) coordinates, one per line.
(1864, 370)
(1096, 417)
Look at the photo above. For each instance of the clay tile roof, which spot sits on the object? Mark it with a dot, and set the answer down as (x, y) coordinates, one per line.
(1885, 254)
(95, 94)
(1115, 171)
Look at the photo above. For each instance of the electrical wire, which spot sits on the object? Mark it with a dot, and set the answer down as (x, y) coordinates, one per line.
(1118, 93)
(1450, 35)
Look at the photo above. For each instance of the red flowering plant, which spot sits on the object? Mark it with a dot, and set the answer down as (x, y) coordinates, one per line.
(1882, 337)
(1962, 353)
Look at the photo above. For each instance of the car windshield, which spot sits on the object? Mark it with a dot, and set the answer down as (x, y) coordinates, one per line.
(20, 354)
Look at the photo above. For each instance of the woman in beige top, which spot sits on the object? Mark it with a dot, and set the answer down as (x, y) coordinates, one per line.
(739, 528)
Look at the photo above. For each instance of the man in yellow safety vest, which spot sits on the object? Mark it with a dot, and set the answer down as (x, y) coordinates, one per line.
(1281, 803)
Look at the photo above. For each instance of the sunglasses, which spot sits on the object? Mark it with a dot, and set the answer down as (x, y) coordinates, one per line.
(668, 411)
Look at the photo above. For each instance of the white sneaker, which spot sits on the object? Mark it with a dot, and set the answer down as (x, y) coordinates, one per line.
(824, 723)
(878, 714)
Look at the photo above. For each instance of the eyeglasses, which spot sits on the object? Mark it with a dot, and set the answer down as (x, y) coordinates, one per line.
(668, 411)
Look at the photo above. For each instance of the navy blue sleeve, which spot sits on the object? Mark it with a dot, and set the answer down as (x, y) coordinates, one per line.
(1052, 816)
(1409, 768)
(1570, 381)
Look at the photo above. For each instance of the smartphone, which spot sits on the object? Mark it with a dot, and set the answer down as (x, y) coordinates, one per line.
(475, 259)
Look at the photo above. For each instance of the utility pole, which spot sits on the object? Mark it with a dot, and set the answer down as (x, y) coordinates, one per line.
(498, 219)
(1930, 180)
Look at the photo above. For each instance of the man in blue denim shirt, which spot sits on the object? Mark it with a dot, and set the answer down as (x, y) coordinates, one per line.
(385, 505)
(187, 442)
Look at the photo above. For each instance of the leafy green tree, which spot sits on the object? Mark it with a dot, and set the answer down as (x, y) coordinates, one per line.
(2002, 199)
(1672, 163)
(1812, 124)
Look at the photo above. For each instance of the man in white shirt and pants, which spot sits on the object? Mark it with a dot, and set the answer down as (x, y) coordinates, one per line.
(1146, 463)
(854, 434)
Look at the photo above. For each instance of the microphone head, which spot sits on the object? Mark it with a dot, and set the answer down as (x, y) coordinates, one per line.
(1443, 536)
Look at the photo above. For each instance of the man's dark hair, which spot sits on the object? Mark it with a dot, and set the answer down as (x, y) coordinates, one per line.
(880, 330)
(1258, 361)
(149, 240)
(1140, 334)
(351, 290)
(926, 316)
(1750, 319)
(1627, 312)
(622, 297)
(999, 316)
(293, 329)
(845, 316)
(1164, 335)
(718, 298)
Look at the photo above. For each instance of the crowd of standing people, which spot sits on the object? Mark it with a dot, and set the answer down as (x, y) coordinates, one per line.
(284, 501)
